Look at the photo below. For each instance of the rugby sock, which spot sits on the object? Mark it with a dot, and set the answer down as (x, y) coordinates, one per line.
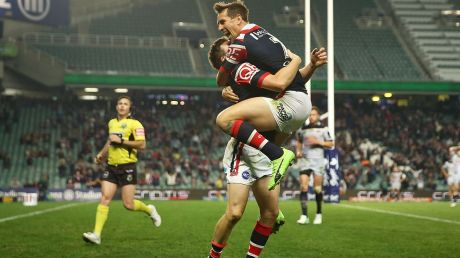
(319, 202)
(102, 213)
(216, 249)
(303, 202)
(259, 237)
(140, 206)
(246, 133)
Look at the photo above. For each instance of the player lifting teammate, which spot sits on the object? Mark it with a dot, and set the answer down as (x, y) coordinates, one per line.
(243, 121)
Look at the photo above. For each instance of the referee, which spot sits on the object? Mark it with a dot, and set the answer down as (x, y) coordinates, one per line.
(126, 137)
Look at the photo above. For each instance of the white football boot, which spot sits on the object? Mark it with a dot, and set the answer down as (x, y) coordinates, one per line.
(303, 220)
(155, 216)
(318, 219)
(91, 237)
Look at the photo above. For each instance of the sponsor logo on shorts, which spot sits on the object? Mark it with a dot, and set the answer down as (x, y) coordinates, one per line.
(245, 175)
(129, 178)
(283, 115)
(129, 171)
(106, 174)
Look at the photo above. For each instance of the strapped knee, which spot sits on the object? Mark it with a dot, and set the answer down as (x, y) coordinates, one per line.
(318, 189)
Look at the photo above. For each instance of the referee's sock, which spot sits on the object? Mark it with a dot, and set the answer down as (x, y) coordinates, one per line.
(140, 206)
(245, 132)
(102, 213)
(259, 238)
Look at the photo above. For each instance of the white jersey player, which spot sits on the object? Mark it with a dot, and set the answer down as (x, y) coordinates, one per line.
(396, 179)
(451, 171)
(312, 139)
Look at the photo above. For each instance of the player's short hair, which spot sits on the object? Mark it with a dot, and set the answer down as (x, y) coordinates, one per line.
(125, 97)
(215, 52)
(234, 9)
(315, 108)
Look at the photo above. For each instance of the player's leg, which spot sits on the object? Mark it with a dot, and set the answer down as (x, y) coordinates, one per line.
(237, 198)
(108, 190)
(318, 188)
(268, 207)
(304, 180)
(245, 119)
(127, 195)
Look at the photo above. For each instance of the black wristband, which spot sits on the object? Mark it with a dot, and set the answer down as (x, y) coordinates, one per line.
(121, 142)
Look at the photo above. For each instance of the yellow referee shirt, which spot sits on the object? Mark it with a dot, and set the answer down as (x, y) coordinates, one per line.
(130, 130)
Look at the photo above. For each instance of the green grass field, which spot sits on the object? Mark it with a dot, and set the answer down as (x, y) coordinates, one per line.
(188, 226)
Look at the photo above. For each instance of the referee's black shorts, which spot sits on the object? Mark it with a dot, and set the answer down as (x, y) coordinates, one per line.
(121, 175)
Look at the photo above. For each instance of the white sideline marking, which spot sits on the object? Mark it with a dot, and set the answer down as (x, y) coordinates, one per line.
(35, 213)
(400, 214)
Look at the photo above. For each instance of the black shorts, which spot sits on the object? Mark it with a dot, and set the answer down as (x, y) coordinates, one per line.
(121, 175)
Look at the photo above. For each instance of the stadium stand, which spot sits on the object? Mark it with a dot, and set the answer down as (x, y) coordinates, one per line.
(60, 139)
(437, 44)
(366, 53)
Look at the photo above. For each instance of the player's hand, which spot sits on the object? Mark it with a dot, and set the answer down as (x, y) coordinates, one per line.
(113, 138)
(293, 55)
(298, 154)
(228, 94)
(313, 141)
(318, 57)
(99, 158)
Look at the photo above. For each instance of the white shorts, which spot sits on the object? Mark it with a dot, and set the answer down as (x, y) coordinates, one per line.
(244, 164)
(318, 166)
(290, 111)
(395, 185)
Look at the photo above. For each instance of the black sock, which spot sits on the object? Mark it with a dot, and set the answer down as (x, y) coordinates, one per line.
(303, 202)
(259, 237)
(244, 132)
(319, 201)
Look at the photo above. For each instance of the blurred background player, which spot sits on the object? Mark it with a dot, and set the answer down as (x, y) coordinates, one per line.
(451, 172)
(126, 137)
(312, 139)
(396, 179)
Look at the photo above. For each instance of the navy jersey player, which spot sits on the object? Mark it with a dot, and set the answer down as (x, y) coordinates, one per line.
(243, 121)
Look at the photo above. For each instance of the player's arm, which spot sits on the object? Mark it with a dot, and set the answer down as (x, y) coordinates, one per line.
(318, 57)
(283, 78)
(444, 172)
(299, 145)
(235, 55)
(327, 144)
(139, 138)
(102, 155)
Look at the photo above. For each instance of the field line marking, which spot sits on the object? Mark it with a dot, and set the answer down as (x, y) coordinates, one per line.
(35, 213)
(400, 214)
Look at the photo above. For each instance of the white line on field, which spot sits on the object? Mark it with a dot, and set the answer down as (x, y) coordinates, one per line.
(35, 213)
(400, 214)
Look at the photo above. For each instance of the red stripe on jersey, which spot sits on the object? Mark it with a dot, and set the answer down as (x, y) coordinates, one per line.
(261, 79)
(254, 250)
(255, 27)
(236, 128)
(222, 69)
(280, 95)
(263, 229)
(257, 140)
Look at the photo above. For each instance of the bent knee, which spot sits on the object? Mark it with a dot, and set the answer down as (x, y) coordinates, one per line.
(269, 214)
(128, 205)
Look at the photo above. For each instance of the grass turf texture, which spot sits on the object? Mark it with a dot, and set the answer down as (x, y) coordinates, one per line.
(188, 226)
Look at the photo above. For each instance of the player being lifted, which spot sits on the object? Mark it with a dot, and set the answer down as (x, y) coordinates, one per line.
(246, 167)
(312, 139)
(126, 137)
(245, 120)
